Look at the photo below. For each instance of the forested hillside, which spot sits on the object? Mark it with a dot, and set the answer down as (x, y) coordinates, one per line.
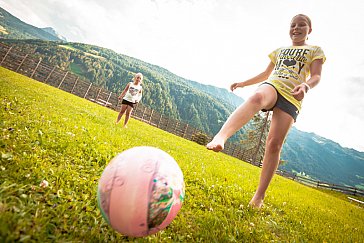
(13, 28)
(169, 94)
(323, 159)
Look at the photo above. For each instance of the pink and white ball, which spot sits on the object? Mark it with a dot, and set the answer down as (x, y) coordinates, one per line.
(141, 191)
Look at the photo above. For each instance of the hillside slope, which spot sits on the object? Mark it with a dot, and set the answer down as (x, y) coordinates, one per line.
(13, 28)
(165, 92)
(53, 135)
(323, 159)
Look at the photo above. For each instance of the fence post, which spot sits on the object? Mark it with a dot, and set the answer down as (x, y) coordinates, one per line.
(35, 69)
(150, 118)
(89, 87)
(62, 80)
(98, 94)
(143, 112)
(175, 127)
(74, 85)
(49, 75)
(5, 55)
(108, 98)
(184, 132)
(160, 119)
(168, 119)
(21, 63)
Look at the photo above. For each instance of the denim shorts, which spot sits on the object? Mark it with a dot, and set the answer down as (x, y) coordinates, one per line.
(283, 104)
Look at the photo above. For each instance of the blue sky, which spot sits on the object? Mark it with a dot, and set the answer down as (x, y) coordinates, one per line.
(219, 42)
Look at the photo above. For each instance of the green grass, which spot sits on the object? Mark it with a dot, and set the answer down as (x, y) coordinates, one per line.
(75, 49)
(48, 134)
(76, 68)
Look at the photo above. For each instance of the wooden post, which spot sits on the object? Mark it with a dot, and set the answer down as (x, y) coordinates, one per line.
(150, 118)
(49, 75)
(35, 69)
(98, 94)
(108, 98)
(143, 113)
(21, 63)
(5, 55)
(62, 80)
(89, 87)
(168, 119)
(74, 86)
(160, 119)
(175, 127)
(184, 132)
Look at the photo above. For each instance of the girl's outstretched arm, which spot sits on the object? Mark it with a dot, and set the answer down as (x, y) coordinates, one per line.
(124, 91)
(257, 79)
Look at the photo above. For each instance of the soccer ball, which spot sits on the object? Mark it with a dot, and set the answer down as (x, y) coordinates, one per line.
(141, 191)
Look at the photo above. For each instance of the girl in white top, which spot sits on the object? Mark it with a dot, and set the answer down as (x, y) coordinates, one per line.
(131, 95)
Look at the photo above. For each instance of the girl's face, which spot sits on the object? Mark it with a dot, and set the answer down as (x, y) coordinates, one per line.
(138, 79)
(299, 30)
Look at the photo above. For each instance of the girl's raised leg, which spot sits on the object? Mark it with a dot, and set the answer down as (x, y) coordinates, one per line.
(264, 98)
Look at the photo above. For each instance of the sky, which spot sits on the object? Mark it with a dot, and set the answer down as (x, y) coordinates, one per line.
(219, 42)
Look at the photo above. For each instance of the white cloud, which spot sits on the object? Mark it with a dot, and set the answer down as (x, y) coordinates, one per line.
(220, 42)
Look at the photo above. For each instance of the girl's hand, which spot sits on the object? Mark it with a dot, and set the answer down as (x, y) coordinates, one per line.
(299, 92)
(234, 86)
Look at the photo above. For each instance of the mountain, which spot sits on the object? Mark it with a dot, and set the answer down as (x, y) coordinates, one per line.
(204, 106)
(53, 32)
(221, 94)
(13, 28)
(322, 159)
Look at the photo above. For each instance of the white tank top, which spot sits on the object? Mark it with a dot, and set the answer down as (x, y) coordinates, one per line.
(133, 94)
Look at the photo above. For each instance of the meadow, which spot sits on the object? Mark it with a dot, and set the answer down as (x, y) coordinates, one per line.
(48, 134)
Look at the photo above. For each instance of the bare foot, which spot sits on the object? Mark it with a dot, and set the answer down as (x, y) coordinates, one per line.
(256, 205)
(125, 126)
(216, 145)
(256, 202)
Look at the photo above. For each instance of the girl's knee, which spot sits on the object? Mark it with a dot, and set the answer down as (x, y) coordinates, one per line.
(257, 99)
(128, 112)
(274, 145)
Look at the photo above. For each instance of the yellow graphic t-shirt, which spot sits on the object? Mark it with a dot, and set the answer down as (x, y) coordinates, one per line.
(292, 67)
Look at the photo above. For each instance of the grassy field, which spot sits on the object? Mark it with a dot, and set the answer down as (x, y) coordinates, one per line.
(47, 134)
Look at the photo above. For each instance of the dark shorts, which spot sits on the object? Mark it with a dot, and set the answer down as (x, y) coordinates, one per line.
(284, 105)
(125, 102)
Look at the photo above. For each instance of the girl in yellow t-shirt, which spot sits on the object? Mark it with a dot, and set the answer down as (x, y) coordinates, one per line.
(285, 85)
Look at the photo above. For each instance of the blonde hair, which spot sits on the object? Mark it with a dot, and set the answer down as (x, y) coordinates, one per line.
(140, 75)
